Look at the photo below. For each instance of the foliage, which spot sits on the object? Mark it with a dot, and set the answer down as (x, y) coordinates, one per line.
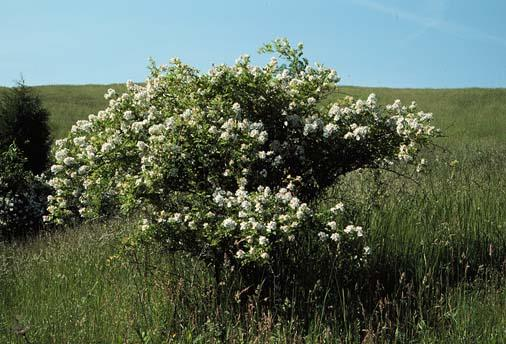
(63, 288)
(24, 121)
(226, 164)
(23, 196)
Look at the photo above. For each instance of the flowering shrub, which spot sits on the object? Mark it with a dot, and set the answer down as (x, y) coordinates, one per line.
(22, 196)
(226, 163)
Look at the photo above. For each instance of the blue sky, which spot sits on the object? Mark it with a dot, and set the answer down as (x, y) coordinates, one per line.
(393, 43)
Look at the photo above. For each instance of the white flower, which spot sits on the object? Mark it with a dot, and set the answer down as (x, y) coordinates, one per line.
(262, 137)
(256, 225)
(339, 207)
(361, 132)
(358, 132)
(239, 254)
(329, 129)
(263, 240)
(335, 237)
(107, 147)
(144, 227)
(323, 236)
(332, 225)
(128, 115)
(155, 129)
(110, 94)
(219, 199)
(332, 76)
(80, 141)
(404, 153)
(294, 203)
(348, 229)
(264, 255)
(277, 161)
(228, 223)
(246, 205)
(302, 211)
(271, 226)
(335, 111)
(310, 128)
(371, 100)
(69, 161)
(357, 229)
(83, 169)
(421, 165)
(138, 126)
(56, 168)
(236, 107)
(186, 114)
(225, 136)
(61, 154)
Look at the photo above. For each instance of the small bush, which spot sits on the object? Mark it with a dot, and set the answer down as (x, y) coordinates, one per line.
(22, 196)
(227, 164)
(24, 121)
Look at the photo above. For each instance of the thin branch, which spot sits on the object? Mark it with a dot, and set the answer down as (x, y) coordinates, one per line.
(401, 175)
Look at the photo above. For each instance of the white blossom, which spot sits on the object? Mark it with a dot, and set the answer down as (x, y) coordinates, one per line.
(229, 224)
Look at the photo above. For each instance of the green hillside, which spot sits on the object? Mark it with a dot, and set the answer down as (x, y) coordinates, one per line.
(467, 116)
(67, 104)
(438, 247)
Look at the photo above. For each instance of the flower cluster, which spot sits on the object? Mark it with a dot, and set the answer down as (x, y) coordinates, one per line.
(250, 226)
(22, 196)
(249, 223)
(210, 157)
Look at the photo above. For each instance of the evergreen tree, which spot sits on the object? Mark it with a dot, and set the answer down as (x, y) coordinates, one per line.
(24, 121)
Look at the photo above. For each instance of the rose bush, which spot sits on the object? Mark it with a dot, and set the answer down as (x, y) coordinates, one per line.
(226, 164)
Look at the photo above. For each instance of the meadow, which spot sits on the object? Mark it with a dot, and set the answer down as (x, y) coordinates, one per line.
(436, 272)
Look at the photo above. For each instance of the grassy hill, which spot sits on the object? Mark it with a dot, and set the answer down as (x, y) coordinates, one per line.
(438, 247)
(67, 104)
(467, 116)
(471, 116)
